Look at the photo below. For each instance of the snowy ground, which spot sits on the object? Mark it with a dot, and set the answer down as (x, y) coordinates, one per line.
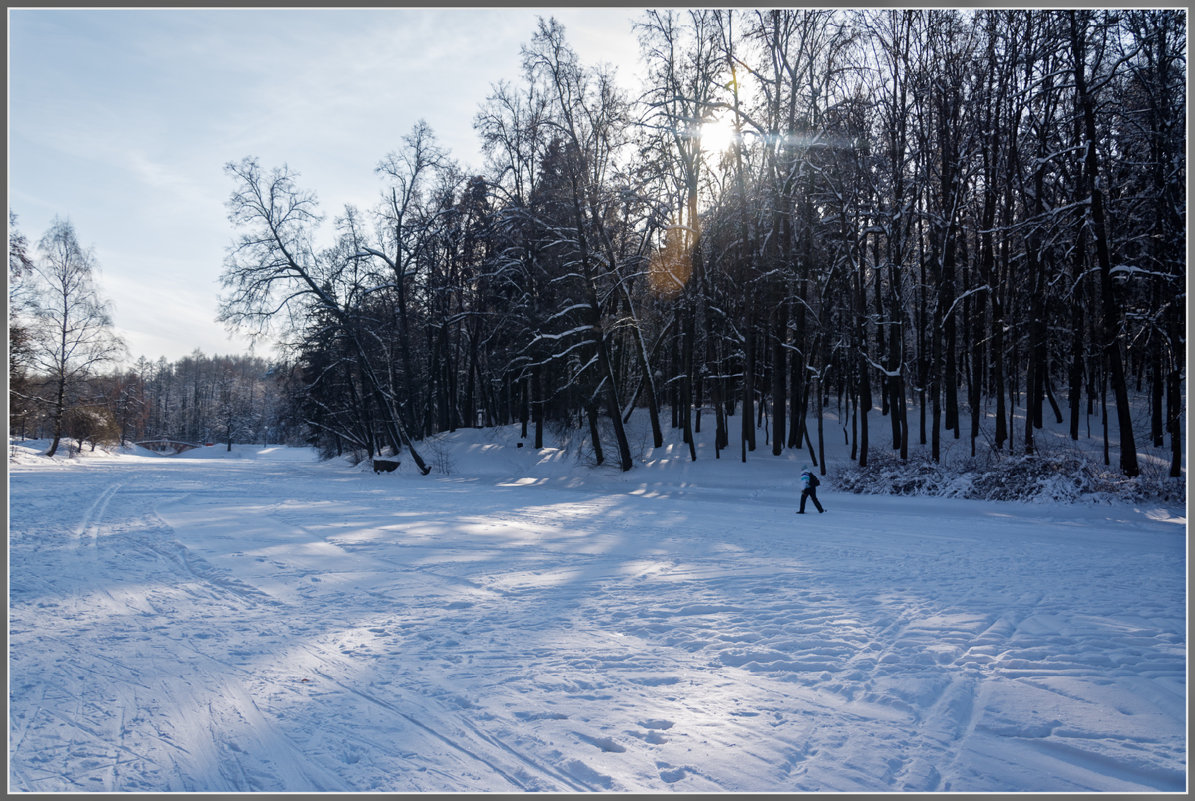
(520, 621)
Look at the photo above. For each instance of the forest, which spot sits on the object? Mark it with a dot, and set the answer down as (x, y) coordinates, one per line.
(933, 224)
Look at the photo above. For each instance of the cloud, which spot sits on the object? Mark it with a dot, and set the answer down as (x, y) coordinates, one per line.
(169, 315)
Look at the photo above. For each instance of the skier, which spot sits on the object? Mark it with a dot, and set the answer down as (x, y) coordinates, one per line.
(809, 484)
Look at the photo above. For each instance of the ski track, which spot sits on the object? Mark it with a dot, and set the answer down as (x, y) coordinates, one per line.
(254, 626)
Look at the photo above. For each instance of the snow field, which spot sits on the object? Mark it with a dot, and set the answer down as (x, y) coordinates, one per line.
(260, 621)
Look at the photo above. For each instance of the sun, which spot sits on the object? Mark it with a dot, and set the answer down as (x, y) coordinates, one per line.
(717, 135)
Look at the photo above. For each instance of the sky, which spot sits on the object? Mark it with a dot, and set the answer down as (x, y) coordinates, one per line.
(121, 121)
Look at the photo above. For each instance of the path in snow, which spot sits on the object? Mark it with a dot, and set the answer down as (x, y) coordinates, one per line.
(265, 625)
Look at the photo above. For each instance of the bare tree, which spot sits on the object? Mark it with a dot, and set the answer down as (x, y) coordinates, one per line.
(1082, 30)
(273, 268)
(684, 61)
(589, 117)
(511, 124)
(71, 331)
(405, 231)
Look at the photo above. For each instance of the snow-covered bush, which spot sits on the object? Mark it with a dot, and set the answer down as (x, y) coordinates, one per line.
(886, 474)
(1043, 478)
(92, 425)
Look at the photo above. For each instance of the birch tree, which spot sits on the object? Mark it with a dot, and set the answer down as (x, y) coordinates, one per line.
(71, 334)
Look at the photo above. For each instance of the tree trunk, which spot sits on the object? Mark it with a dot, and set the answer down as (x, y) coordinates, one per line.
(688, 365)
(1111, 342)
(779, 381)
(1174, 410)
(524, 406)
(1075, 372)
(538, 406)
(620, 434)
(748, 412)
(649, 382)
(591, 413)
(59, 413)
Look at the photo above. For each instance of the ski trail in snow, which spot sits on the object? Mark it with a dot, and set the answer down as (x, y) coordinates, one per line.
(88, 528)
(110, 698)
(470, 753)
(258, 626)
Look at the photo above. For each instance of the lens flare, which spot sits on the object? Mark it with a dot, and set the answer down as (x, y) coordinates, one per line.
(671, 266)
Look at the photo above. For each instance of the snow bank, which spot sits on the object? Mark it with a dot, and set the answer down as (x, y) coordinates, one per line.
(273, 453)
(33, 452)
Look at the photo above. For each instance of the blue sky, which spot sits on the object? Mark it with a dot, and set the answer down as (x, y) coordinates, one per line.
(122, 122)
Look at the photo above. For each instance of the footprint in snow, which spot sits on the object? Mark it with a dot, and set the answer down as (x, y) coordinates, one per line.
(540, 716)
(654, 723)
(607, 744)
(670, 774)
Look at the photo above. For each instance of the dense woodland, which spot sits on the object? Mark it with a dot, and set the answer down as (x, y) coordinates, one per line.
(931, 223)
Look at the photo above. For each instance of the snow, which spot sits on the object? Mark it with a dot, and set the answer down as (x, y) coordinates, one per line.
(520, 620)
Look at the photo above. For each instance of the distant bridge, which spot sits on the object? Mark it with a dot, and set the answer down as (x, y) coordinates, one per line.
(167, 446)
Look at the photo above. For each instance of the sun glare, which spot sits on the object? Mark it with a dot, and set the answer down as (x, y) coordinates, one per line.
(716, 135)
